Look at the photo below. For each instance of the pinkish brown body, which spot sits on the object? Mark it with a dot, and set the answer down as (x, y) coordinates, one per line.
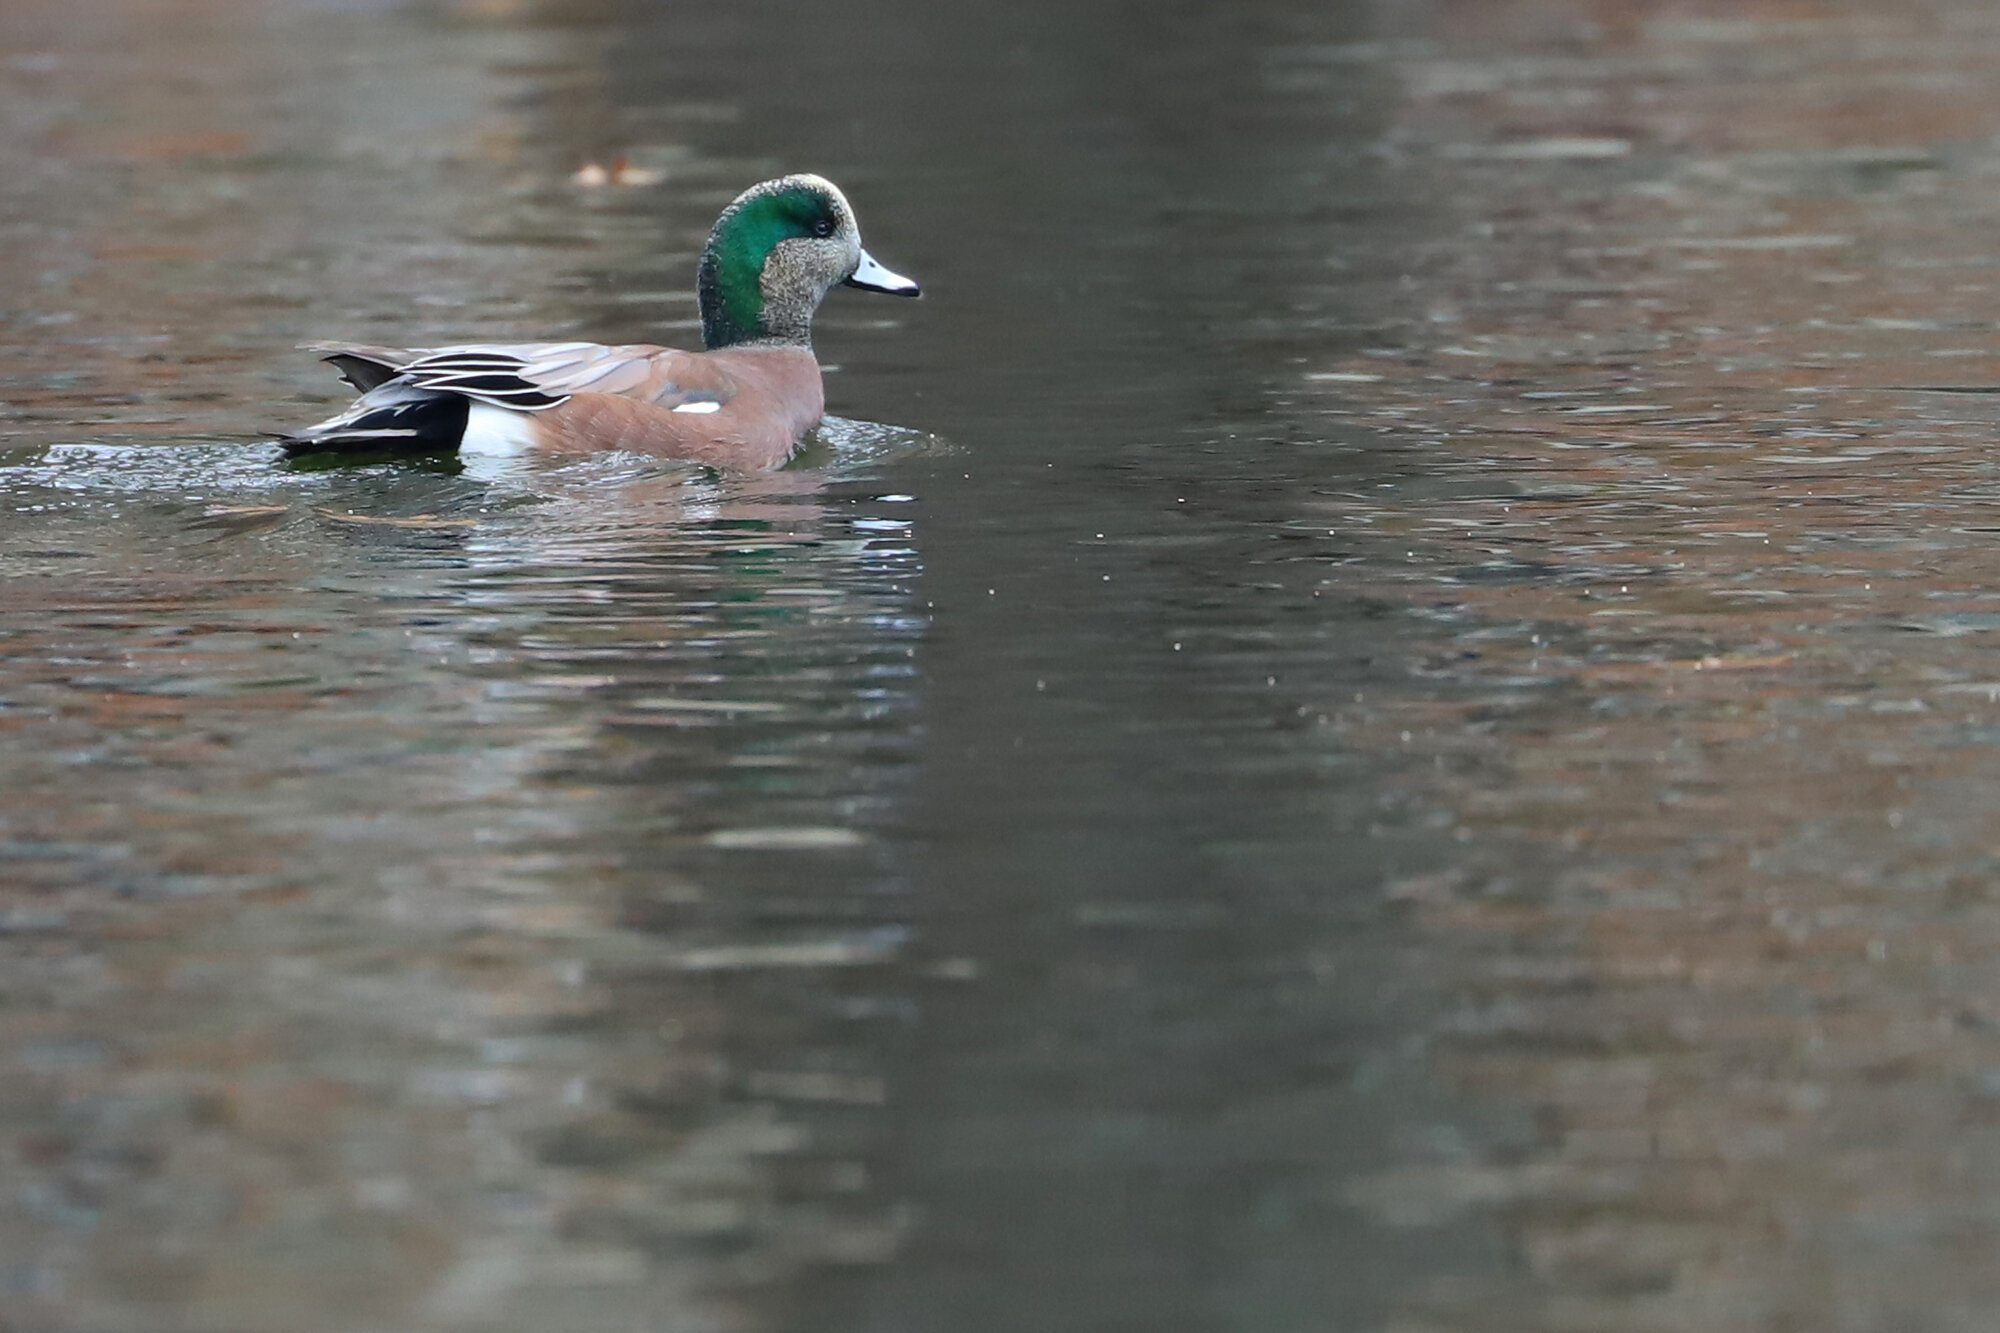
(770, 397)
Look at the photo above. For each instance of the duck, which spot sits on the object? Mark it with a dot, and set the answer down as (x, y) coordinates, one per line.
(744, 402)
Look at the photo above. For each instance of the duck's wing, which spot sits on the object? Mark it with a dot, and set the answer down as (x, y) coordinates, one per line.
(532, 377)
(527, 377)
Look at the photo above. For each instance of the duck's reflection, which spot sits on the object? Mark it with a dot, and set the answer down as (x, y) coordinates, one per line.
(724, 677)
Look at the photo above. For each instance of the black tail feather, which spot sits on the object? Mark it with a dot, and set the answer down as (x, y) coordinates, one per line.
(364, 373)
(421, 423)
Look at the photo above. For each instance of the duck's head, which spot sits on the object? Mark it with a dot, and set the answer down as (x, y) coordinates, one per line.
(774, 254)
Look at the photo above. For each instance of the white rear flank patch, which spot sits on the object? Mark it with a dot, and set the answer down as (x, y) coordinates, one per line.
(710, 406)
(494, 432)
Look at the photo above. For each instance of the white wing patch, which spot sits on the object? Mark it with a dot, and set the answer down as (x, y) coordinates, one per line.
(708, 406)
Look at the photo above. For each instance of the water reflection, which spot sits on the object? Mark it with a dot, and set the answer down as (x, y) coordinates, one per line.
(1421, 764)
(1704, 714)
(485, 911)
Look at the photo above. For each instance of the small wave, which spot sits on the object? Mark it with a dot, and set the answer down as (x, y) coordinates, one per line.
(843, 444)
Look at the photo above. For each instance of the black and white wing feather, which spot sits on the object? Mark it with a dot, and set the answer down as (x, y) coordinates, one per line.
(420, 395)
(530, 377)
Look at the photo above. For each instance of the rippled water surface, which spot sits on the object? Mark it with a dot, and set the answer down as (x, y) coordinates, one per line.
(1399, 735)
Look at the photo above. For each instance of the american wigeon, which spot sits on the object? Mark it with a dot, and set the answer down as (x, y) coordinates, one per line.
(743, 402)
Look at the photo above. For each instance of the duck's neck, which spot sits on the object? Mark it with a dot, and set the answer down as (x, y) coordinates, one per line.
(746, 299)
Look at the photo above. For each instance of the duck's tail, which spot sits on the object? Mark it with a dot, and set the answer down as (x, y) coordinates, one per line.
(392, 416)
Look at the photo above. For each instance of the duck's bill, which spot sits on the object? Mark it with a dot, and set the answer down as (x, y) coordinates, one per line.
(872, 277)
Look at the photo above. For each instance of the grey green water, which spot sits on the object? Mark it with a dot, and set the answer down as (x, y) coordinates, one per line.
(1394, 732)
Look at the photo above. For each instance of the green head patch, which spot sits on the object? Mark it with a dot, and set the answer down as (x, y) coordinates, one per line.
(732, 264)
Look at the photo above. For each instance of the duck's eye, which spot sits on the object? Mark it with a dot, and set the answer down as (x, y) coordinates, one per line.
(822, 227)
